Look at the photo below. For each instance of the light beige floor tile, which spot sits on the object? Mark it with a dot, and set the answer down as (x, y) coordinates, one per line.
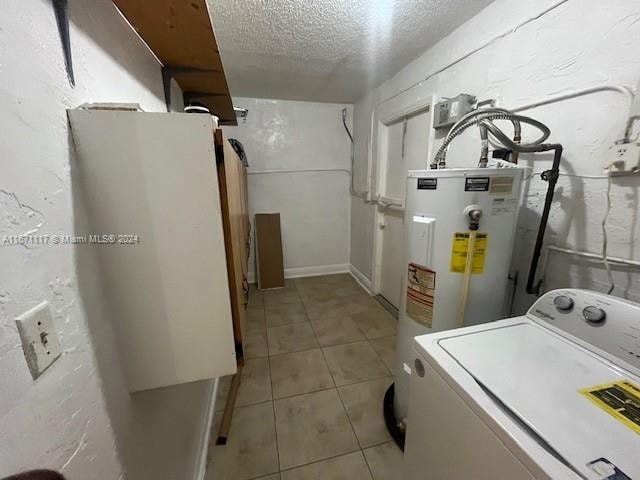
(346, 467)
(312, 427)
(275, 476)
(255, 344)
(386, 349)
(336, 331)
(326, 286)
(290, 285)
(360, 302)
(363, 402)
(310, 282)
(306, 282)
(280, 296)
(311, 290)
(291, 338)
(329, 308)
(376, 323)
(255, 319)
(256, 297)
(344, 291)
(255, 386)
(316, 294)
(353, 363)
(385, 461)
(285, 314)
(299, 372)
(251, 448)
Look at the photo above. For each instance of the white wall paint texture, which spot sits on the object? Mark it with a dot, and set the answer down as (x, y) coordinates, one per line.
(78, 416)
(576, 45)
(314, 207)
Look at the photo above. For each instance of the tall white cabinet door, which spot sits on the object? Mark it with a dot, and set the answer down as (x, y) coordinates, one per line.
(153, 175)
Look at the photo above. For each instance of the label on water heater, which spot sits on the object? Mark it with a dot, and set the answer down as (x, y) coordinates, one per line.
(460, 247)
(427, 183)
(501, 186)
(502, 206)
(476, 184)
(421, 286)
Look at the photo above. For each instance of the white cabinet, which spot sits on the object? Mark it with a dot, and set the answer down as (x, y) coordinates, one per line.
(153, 175)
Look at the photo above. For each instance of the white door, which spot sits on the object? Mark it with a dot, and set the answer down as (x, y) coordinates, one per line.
(406, 147)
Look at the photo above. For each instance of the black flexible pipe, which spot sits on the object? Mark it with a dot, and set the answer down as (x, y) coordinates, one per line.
(344, 122)
(550, 176)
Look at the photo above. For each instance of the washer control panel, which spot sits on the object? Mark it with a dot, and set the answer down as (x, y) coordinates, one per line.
(611, 324)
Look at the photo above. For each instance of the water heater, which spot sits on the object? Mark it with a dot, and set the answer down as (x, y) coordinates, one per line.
(449, 212)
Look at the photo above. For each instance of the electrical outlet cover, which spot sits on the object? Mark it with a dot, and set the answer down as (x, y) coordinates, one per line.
(39, 338)
(624, 158)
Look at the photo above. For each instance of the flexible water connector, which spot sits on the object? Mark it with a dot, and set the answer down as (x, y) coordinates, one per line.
(485, 118)
(484, 148)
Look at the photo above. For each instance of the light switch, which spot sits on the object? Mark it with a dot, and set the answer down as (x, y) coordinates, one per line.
(39, 339)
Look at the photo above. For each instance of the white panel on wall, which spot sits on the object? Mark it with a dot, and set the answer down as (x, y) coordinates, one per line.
(153, 176)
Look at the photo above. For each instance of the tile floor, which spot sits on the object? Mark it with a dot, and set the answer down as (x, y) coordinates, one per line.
(319, 355)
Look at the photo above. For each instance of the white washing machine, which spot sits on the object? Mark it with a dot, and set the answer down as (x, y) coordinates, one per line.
(552, 394)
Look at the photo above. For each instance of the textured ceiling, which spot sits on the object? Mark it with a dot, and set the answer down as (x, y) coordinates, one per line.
(327, 50)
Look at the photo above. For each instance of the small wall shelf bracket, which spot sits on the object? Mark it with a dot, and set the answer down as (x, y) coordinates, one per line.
(188, 97)
(168, 72)
(61, 10)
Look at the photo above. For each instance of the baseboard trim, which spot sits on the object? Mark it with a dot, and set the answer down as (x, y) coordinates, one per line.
(202, 453)
(314, 271)
(361, 279)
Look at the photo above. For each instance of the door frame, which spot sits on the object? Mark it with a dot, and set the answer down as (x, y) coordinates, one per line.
(385, 118)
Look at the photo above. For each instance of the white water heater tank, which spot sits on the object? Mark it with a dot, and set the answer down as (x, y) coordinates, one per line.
(437, 237)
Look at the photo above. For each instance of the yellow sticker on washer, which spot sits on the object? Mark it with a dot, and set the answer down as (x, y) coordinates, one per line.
(619, 399)
(459, 248)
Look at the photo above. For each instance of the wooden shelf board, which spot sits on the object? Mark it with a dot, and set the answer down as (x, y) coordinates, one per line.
(180, 34)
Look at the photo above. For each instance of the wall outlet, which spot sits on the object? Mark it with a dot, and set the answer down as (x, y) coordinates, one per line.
(624, 158)
(39, 339)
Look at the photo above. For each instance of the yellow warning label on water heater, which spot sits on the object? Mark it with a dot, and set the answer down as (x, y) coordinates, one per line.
(459, 249)
(619, 399)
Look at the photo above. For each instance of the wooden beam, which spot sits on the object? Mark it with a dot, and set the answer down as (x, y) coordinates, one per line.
(227, 416)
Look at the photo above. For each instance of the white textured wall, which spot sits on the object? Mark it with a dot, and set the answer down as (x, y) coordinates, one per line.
(77, 417)
(581, 43)
(314, 207)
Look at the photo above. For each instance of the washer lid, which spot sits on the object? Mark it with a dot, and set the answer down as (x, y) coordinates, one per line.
(538, 376)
